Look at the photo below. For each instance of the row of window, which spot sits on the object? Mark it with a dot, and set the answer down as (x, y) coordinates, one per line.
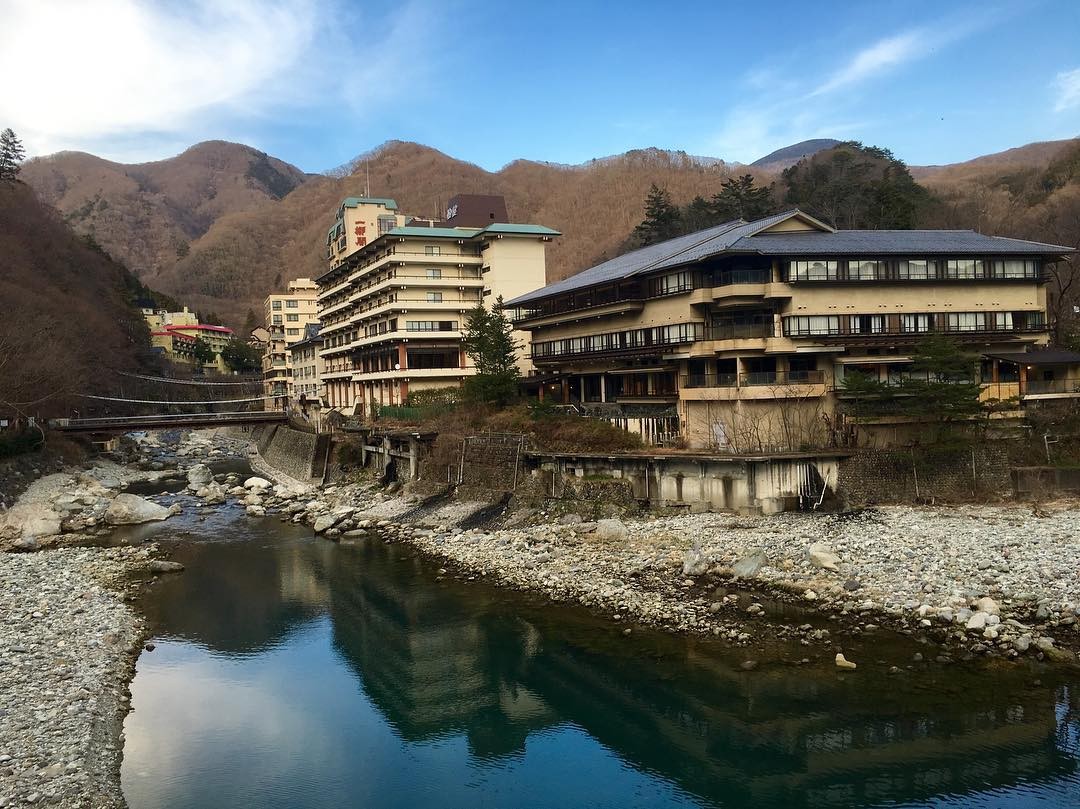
(913, 269)
(823, 325)
(289, 318)
(620, 340)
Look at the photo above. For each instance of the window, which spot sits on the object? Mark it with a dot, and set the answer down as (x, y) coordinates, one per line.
(434, 297)
(860, 269)
(276, 305)
(277, 320)
(807, 325)
(1016, 268)
(672, 283)
(434, 273)
(813, 270)
(292, 304)
(1005, 321)
(916, 269)
(867, 324)
(965, 321)
(914, 323)
(431, 325)
(963, 268)
(292, 332)
(292, 318)
(386, 224)
(432, 250)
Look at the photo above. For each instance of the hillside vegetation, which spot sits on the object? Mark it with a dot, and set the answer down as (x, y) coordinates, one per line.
(66, 312)
(147, 215)
(220, 240)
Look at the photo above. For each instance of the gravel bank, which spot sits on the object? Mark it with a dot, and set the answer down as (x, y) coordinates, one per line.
(68, 644)
(977, 580)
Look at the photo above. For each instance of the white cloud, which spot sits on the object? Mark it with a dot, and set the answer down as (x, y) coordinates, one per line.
(878, 58)
(1067, 85)
(128, 78)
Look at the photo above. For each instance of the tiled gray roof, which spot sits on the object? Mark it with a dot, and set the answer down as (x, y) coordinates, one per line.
(892, 242)
(738, 237)
(635, 262)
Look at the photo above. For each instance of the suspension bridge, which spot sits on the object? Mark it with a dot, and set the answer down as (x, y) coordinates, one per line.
(168, 412)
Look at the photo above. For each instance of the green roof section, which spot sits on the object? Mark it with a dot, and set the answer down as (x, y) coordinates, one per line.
(438, 233)
(526, 230)
(352, 202)
(468, 233)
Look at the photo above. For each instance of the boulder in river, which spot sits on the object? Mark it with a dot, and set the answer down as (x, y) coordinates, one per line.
(324, 522)
(200, 475)
(130, 509)
(257, 483)
(165, 566)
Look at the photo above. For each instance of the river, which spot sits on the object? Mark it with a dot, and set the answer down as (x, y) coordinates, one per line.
(292, 672)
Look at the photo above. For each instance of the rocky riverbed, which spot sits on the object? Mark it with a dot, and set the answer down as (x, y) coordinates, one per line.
(68, 639)
(971, 581)
(996, 581)
(68, 643)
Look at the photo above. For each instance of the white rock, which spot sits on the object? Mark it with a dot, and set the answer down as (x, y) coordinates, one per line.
(843, 663)
(611, 530)
(257, 483)
(821, 556)
(977, 621)
(130, 509)
(200, 475)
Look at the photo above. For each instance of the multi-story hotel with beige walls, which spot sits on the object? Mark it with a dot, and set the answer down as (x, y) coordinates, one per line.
(306, 365)
(175, 334)
(287, 314)
(392, 309)
(359, 221)
(738, 338)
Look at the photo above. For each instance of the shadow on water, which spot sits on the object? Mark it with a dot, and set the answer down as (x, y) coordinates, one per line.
(443, 660)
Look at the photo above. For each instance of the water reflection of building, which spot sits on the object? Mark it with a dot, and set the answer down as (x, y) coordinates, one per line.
(240, 596)
(447, 659)
(431, 667)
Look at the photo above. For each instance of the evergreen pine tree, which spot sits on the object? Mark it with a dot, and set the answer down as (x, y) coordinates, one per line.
(11, 155)
(662, 219)
(490, 344)
(739, 198)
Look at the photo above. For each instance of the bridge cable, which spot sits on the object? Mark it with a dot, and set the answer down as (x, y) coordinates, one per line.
(159, 401)
(185, 381)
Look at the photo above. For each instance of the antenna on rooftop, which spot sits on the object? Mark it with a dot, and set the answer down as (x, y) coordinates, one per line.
(367, 179)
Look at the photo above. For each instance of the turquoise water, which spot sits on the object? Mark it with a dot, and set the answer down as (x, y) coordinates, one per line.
(293, 672)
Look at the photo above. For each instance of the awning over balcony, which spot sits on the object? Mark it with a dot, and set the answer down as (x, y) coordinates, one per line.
(1049, 356)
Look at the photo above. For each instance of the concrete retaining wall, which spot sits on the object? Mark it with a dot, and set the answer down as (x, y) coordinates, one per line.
(907, 475)
(703, 483)
(291, 451)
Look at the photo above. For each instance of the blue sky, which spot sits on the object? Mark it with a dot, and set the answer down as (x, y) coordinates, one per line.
(317, 83)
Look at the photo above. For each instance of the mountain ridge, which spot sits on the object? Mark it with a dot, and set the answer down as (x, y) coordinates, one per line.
(227, 257)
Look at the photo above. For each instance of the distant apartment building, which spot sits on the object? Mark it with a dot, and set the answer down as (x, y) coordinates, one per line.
(738, 338)
(306, 364)
(393, 302)
(288, 314)
(176, 333)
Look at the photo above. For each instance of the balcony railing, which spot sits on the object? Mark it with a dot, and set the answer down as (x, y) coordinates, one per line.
(739, 331)
(710, 380)
(753, 378)
(742, 277)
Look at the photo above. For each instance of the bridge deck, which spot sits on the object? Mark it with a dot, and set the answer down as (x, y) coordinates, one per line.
(110, 424)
